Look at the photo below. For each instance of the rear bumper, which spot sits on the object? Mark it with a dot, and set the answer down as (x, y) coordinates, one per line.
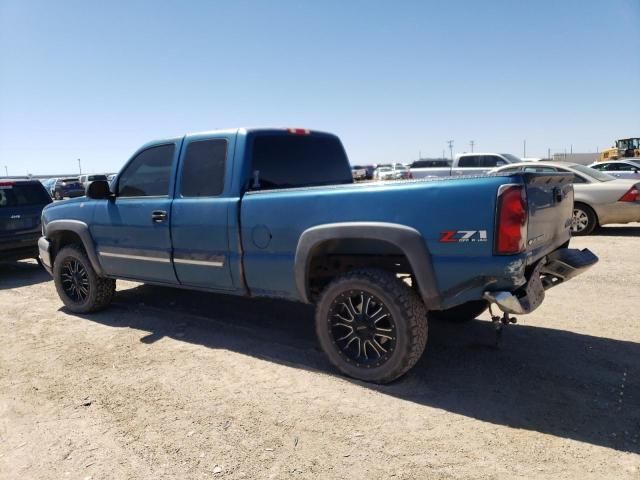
(44, 252)
(554, 269)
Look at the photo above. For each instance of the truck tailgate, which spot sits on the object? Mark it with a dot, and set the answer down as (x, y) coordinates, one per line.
(550, 200)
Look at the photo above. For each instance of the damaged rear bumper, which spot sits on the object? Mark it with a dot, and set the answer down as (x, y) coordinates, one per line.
(552, 270)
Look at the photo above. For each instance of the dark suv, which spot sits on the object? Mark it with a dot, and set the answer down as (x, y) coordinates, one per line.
(21, 204)
(68, 187)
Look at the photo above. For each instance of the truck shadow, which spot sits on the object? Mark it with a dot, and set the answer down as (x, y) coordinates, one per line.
(21, 274)
(556, 382)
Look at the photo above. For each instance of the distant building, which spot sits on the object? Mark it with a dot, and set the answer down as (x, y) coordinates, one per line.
(582, 158)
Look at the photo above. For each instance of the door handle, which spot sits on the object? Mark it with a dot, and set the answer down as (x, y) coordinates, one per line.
(158, 216)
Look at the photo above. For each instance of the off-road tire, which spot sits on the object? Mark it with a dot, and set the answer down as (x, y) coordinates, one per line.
(461, 313)
(408, 313)
(592, 219)
(100, 290)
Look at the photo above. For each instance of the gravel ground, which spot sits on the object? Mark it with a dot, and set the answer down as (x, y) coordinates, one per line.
(176, 384)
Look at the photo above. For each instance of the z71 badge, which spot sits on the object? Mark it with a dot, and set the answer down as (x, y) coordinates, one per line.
(461, 236)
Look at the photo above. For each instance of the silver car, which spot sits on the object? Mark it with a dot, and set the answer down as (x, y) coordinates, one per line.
(620, 168)
(599, 198)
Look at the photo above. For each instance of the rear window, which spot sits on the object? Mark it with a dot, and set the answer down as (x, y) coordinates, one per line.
(23, 194)
(288, 161)
(93, 178)
(590, 172)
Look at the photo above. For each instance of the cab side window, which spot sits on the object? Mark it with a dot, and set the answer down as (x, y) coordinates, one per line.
(148, 174)
(203, 169)
(469, 161)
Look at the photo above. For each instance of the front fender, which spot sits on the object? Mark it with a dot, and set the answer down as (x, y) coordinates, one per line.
(82, 230)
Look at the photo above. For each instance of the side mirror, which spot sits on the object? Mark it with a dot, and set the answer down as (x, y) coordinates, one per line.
(99, 190)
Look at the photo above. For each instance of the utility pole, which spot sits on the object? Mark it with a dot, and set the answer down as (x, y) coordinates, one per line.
(548, 154)
(80, 166)
(471, 144)
(572, 148)
(524, 149)
(450, 142)
(6, 171)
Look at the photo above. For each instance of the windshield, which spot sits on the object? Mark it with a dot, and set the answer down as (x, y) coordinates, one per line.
(592, 173)
(511, 158)
(385, 169)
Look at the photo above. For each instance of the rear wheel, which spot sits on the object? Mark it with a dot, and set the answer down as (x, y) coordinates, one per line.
(461, 313)
(78, 285)
(371, 325)
(584, 220)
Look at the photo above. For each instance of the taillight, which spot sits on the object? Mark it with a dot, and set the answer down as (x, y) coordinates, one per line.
(511, 218)
(299, 131)
(633, 195)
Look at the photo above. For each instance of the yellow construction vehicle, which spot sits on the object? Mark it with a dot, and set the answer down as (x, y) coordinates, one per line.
(624, 148)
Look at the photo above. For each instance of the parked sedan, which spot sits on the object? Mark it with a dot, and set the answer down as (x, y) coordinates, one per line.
(619, 168)
(67, 187)
(599, 198)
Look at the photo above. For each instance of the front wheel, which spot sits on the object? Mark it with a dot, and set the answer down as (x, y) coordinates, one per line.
(371, 325)
(584, 220)
(78, 285)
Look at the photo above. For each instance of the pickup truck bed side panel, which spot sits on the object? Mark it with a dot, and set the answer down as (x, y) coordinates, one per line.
(273, 221)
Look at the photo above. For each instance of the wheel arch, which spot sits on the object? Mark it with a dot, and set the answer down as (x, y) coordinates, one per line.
(400, 239)
(66, 232)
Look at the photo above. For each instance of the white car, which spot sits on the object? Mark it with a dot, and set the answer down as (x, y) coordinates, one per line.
(384, 173)
(620, 168)
(599, 198)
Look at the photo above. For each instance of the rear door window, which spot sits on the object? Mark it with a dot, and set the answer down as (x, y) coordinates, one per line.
(288, 161)
(203, 169)
(148, 174)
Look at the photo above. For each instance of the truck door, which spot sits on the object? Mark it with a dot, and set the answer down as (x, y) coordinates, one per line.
(132, 232)
(201, 212)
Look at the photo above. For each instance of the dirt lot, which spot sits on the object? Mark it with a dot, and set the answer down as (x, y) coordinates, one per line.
(173, 384)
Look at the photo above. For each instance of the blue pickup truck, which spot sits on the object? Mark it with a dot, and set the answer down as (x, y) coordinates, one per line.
(275, 213)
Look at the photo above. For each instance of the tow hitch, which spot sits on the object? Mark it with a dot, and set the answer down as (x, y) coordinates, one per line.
(556, 268)
(499, 322)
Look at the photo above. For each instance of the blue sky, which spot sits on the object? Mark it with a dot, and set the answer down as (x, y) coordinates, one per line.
(94, 80)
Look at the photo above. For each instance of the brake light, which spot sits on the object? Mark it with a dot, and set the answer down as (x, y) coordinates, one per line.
(7, 184)
(511, 218)
(299, 131)
(633, 195)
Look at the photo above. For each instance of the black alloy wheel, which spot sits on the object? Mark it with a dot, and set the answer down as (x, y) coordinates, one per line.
(362, 328)
(75, 280)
